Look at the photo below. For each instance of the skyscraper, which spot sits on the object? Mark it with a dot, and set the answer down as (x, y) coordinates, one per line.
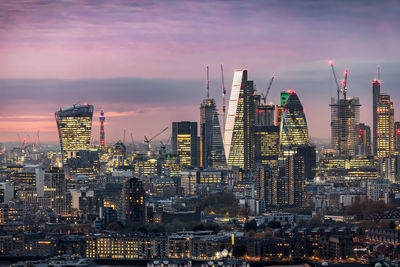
(385, 127)
(102, 119)
(74, 129)
(266, 149)
(345, 118)
(185, 142)
(364, 140)
(293, 127)
(133, 202)
(376, 91)
(212, 153)
(55, 188)
(239, 127)
(279, 109)
(397, 136)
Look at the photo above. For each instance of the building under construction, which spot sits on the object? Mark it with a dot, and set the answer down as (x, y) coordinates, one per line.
(345, 119)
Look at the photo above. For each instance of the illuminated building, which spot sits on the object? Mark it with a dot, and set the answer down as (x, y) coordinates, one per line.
(170, 167)
(385, 127)
(55, 188)
(266, 140)
(293, 127)
(239, 127)
(189, 182)
(133, 202)
(102, 119)
(364, 140)
(345, 118)
(74, 129)
(212, 153)
(263, 183)
(6, 192)
(127, 246)
(376, 91)
(397, 137)
(295, 175)
(185, 142)
(145, 166)
(280, 109)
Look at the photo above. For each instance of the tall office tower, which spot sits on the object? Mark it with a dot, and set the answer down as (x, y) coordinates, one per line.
(293, 127)
(309, 155)
(55, 188)
(385, 127)
(212, 153)
(295, 175)
(74, 129)
(376, 91)
(345, 118)
(280, 109)
(185, 142)
(239, 127)
(397, 137)
(102, 119)
(133, 202)
(264, 183)
(364, 140)
(266, 145)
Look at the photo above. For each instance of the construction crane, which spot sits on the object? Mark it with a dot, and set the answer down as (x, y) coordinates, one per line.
(147, 141)
(264, 97)
(163, 146)
(223, 99)
(344, 83)
(336, 80)
(133, 143)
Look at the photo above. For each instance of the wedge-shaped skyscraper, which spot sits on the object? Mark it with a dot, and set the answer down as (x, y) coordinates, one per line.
(239, 127)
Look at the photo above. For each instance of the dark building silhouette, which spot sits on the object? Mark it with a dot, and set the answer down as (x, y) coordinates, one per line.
(185, 142)
(133, 202)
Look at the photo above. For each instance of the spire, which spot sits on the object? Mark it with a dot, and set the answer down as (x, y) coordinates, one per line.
(208, 85)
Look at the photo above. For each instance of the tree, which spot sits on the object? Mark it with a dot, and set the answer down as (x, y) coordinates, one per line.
(250, 225)
(274, 224)
(239, 251)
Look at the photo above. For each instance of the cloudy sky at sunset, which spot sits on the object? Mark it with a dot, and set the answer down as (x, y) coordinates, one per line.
(144, 62)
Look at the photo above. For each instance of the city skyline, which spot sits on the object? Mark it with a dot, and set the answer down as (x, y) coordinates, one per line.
(87, 55)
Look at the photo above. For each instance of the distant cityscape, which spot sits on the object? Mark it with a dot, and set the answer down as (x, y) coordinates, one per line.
(248, 188)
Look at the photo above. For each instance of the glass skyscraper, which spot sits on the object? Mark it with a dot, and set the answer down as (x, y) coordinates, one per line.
(212, 153)
(239, 127)
(293, 131)
(74, 129)
(385, 127)
(345, 119)
(185, 142)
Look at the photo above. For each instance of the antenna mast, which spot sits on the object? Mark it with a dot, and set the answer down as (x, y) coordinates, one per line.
(223, 99)
(208, 85)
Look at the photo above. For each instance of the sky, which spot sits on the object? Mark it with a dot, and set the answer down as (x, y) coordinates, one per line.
(144, 62)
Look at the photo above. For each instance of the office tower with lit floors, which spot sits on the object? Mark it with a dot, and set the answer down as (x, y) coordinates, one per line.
(55, 188)
(212, 153)
(376, 91)
(385, 127)
(239, 126)
(185, 143)
(102, 119)
(364, 140)
(133, 202)
(293, 127)
(74, 129)
(345, 119)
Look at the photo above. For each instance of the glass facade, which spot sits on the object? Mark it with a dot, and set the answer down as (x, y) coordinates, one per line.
(239, 127)
(385, 127)
(212, 153)
(345, 119)
(293, 131)
(75, 129)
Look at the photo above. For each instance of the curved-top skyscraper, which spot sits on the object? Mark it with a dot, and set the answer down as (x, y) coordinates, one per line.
(74, 129)
(294, 131)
